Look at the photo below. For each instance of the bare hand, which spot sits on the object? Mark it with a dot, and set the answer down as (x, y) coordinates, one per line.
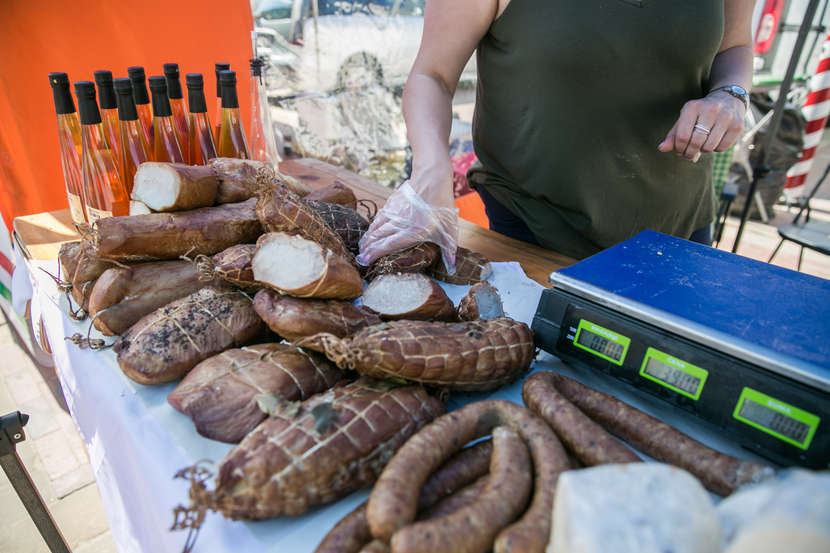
(719, 113)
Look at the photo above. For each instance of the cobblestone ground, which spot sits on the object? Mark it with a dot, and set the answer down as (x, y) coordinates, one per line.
(54, 457)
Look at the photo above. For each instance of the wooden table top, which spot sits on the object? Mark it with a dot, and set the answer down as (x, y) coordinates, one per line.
(40, 235)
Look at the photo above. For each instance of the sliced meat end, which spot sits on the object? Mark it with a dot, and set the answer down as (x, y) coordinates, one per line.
(481, 302)
(289, 263)
(156, 185)
(408, 295)
(304, 269)
(139, 208)
(168, 187)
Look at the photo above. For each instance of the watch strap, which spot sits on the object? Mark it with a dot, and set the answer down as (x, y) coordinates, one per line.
(730, 89)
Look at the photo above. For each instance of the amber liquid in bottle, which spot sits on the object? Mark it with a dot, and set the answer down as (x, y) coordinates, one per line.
(145, 116)
(110, 121)
(232, 141)
(142, 101)
(262, 144)
(218, 119)
(109, 112)
(201, 145)
(166, 145)
(180, 118)
(69, 139)
(134, 149)
(104, 192)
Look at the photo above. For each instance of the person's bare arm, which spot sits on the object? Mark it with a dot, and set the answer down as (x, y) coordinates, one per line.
(718, 111)
(452, 30)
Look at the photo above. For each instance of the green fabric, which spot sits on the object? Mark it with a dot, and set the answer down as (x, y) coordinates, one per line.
(573, 99)
(720, 169)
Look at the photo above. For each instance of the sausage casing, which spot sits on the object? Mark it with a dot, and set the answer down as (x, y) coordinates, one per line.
(718, 472)
(393, 501)
(589, 441)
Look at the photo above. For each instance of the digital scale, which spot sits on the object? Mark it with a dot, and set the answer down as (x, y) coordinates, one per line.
(742, 345)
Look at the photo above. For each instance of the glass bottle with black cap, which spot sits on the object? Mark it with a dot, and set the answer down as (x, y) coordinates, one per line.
(142, 101)
(201, 146)
(69, 139)
(263, 143)
(109, 111)
(134, 148)
(166, 145)
(104, 193)
(232, 141)
(174, 93)
(219, 67)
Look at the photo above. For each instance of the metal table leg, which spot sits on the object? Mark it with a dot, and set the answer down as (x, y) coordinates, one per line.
(11, 432)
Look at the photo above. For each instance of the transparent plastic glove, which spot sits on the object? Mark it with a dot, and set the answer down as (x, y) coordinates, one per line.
(405, 220)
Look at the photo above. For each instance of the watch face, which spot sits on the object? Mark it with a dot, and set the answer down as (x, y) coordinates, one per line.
(738, 90)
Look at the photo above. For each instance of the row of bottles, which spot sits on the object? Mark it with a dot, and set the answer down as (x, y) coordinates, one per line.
(230, 136)
(69, 138)
(103, 189)
(101, 152)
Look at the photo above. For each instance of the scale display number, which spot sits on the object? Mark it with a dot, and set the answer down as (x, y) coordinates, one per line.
(601, 342)
(779, 419)
(673, 373)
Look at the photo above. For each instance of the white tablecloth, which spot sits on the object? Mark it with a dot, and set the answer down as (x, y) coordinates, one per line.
(137, 442)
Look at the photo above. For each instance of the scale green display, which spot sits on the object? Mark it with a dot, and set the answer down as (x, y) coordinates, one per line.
(675, 374)
(785, 422)
(758, 373)
(765, 413)
(601, 342)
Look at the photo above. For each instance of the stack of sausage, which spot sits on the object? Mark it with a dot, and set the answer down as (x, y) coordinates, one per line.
(232, 258)
(499, 497)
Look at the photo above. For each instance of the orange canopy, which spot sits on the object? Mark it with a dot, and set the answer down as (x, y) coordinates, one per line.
(80, 37)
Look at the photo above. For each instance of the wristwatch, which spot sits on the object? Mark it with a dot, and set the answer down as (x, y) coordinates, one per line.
(737, 91)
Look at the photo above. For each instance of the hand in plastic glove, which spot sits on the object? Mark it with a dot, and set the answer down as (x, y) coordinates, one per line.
(410, 217)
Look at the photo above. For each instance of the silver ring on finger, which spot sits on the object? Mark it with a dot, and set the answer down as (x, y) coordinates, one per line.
(701, 129)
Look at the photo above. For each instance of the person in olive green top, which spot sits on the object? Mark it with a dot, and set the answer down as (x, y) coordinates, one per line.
(590, 119)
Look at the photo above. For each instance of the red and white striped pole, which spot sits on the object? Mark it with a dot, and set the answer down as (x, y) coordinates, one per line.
(6, 263)
(816, 110)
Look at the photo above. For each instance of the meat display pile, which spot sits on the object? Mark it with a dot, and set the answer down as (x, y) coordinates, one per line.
(333, 377)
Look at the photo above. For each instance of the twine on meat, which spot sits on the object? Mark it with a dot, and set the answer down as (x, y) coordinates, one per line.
(84, 229)
(191, 518)
(281, 210)
(230, 268)
(94, 344)
(198, 304)
(89, 233)
(186, 255)
(203, 264)
(65, 287)
(346, 222)
(264, 175)
(336, 349)
(116, 263)
(322, 278)
(370, 206)
(204, 267)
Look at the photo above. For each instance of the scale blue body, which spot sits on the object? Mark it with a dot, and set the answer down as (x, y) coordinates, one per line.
(730, 318)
